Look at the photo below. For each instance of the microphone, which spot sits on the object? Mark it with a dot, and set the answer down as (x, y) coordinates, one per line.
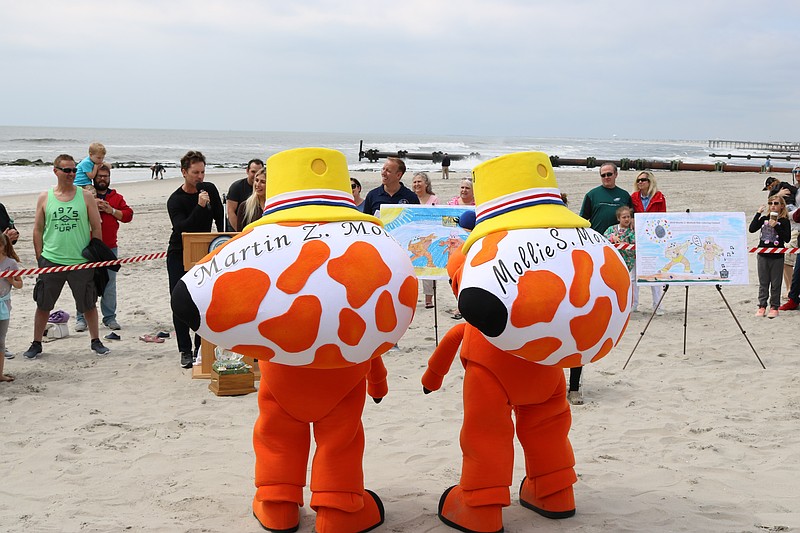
(202, 187)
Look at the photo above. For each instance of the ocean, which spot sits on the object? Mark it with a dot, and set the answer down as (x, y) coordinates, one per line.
(138, 149)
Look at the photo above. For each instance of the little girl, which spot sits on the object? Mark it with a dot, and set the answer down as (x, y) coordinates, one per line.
(624, 233)
(8, 261)
(773, 222)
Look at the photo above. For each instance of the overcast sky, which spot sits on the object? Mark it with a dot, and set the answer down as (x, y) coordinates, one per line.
(635, 69)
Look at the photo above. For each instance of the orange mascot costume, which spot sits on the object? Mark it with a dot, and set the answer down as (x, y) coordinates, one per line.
(317, 291)
(540, 291)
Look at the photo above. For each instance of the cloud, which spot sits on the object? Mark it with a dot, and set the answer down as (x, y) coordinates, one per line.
(680, 69)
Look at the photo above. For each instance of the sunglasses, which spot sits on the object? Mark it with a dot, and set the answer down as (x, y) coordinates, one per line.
(67, 170)
(607, 175)
(774, 203)
(353, 185)
(642, 180)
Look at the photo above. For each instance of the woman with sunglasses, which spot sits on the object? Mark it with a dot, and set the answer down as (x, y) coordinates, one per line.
(355, 185)
(772, 220)
(646, 197)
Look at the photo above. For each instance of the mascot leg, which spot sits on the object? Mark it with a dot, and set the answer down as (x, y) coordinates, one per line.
(281, 445)
(337, 477)
(487, 443)
(543, 431)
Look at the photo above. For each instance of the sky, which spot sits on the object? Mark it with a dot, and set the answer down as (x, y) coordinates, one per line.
(563, 68)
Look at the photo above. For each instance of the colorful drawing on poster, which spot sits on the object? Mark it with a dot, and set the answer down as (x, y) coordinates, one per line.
(428, 233)
(691, 248)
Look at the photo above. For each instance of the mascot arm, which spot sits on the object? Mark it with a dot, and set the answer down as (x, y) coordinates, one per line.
(377, 387)
(442, 358)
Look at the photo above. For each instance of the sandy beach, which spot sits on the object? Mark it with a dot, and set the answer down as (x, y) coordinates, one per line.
(702, 441)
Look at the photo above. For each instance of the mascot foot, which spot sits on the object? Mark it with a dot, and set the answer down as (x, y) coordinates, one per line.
(278, 517)
(560, 504)
(330, 520)
(454, 512)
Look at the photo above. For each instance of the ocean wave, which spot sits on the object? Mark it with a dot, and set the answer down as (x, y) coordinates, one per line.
(44, 140)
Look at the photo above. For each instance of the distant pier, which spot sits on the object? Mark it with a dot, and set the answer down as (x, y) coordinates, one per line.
(754, 145)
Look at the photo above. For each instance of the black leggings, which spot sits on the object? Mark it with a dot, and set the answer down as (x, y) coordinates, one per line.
(575, 378)
(175, 272)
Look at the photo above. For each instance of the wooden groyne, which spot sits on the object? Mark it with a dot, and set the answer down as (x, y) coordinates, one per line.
(755, 145)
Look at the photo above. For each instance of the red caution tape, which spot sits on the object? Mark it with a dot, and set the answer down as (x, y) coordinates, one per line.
(48, 270)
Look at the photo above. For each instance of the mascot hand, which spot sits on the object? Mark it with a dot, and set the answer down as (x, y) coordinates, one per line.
(431, 381)
(377, 387)
(377, 391)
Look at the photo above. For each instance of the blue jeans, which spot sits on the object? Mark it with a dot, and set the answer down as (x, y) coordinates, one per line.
(108, 300)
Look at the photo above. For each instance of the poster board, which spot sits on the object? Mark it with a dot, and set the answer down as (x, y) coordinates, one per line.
(428, 233)
(691, 249)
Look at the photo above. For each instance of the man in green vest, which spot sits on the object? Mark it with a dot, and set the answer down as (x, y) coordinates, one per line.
(66, 220)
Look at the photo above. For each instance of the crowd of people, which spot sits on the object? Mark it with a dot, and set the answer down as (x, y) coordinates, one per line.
(96, 210)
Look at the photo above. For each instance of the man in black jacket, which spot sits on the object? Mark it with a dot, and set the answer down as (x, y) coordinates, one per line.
(192, 208)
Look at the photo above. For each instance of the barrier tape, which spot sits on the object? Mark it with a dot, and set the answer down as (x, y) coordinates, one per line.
(625, 246)
(49, 270)
(161, 255)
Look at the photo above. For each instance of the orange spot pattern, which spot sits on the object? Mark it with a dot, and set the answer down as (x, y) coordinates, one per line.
(361, 270)
(228, 308)
(385, 315)
(382, 349)
(297, 329)
(539, 295)
(351, 327)
(588, 329)
(488, 249)
(218, 249)
(312, 255)
(262, 353)
(539, 349)
(615, 274)
(603, 350)
(570, 361)
(621, 333)
(583, 265)
(330, 356)
(408, 292)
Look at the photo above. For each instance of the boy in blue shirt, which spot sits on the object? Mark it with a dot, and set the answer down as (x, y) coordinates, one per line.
(87, 168)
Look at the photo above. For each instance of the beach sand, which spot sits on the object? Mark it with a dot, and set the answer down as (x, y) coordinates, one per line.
(701, 441)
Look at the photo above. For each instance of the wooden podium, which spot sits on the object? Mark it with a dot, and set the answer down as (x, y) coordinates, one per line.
(195, 247)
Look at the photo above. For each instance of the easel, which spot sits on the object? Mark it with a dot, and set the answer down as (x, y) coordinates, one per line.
(685, 323)
(195, 247)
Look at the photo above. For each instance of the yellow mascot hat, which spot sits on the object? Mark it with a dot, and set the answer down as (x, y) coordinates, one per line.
(518, 191)
(309, 185)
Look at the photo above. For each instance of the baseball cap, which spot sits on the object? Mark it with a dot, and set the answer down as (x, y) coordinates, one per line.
(769, 182)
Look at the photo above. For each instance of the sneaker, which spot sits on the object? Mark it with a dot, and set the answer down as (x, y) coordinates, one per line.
(112, 336)
(791, 305)
(112, 324)
(575, 397)
(761, 311)
(659, 312)
(80, 326)
(34, 350)
(98, 348)
(772, 313)
(186, 359)
(8, 355)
